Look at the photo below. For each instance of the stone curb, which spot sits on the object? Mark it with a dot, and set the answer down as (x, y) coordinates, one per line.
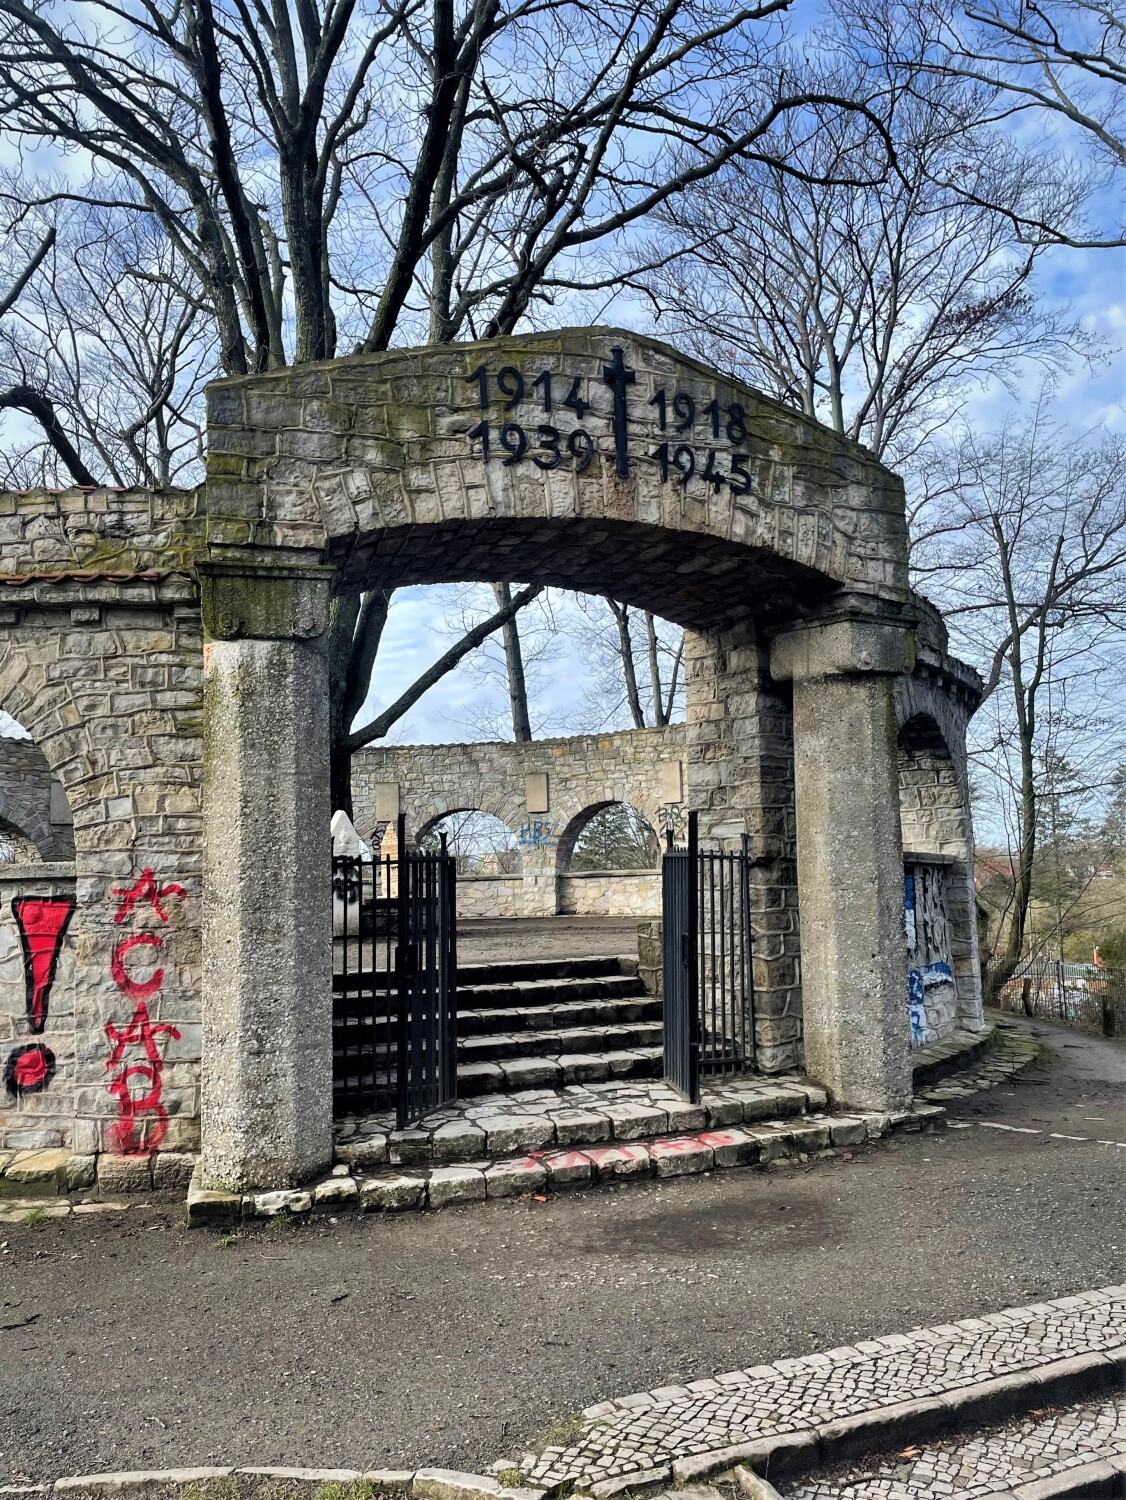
(782, 1141)
(794, 1455)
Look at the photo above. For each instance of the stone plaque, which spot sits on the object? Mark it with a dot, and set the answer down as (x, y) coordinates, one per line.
(535, 792)
(386, 801)
(672, 782)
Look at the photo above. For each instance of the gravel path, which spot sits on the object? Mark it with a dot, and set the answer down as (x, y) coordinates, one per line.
(452, 1338)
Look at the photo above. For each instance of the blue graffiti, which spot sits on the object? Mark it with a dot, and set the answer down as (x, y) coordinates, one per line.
(537, 833)
(919, 981)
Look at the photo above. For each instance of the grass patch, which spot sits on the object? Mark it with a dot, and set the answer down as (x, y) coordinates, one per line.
(355, 1489)
(512, 1479)
(211, 1489)
(35, 1218)
(564, 1430)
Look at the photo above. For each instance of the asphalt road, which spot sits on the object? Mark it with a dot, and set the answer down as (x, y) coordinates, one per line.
(453, 1338)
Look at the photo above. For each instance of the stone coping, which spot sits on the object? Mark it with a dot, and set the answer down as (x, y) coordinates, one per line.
(54, 869)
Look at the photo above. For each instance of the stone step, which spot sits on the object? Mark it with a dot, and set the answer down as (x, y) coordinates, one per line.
(537, 992)
(501, 1046)
(522, 970)
(515, 1074)
(604, 1012)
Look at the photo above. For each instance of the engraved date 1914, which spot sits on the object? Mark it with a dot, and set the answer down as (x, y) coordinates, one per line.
(547, 446)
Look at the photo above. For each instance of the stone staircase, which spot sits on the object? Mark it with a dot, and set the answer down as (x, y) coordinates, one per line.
(545, 1024)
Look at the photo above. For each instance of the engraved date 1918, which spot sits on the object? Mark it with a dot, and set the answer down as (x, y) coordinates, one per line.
(679, 461)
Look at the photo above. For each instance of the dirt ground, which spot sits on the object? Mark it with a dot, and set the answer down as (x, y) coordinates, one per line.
(453, 1338)
(480, 940)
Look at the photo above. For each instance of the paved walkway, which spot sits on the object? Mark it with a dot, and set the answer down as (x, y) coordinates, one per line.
(1039, 1448)
(654, 1428)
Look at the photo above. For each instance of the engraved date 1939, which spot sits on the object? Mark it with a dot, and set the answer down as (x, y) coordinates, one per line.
(546, 446)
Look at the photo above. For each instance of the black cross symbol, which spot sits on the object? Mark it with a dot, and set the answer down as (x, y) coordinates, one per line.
(617, 376)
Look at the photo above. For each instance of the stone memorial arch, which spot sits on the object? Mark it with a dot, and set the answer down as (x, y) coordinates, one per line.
(592, 459)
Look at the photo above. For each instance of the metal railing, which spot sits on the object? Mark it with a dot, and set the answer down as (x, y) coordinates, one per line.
(394, 983)
(1083, 995)
(707, 959)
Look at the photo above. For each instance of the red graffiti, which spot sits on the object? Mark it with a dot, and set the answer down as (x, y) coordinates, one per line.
(42, 922)
(136, 989)
(138, 1086)
(143, 1121)
(29, 1069)
(146, 889)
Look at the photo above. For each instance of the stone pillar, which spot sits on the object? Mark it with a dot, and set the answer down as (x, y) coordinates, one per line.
(740, 779)
(266, 1084)
(850, 853)
(540, 870)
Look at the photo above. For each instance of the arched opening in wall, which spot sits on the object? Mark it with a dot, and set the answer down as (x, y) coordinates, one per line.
(938, 905)
(489, 880)
(609, 861)
(36, 822)
(15, 846)
(480, 842)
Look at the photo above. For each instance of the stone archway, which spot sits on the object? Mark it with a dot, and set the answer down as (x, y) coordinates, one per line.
(200, 766)
(591, 459)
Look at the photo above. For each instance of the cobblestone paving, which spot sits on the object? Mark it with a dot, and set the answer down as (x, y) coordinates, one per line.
(653, 1428)
(1037, 1448)
(735, 1101)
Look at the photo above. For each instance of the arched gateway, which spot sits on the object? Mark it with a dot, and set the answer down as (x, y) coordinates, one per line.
(593, 459)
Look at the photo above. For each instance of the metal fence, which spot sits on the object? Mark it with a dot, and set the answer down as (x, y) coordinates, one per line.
(394, 983)
(707, 961)
(1084, 995)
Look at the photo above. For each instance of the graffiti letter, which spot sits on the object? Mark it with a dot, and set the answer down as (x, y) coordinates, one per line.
(135, 990)
(146, 889)
(144, 1119)
(42, 923)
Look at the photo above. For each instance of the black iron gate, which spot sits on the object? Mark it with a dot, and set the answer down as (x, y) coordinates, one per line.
(394, 1004)
(709, 1000)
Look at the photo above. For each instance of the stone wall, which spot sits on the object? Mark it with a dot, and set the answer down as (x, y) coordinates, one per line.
(584, 773)
(740, 753)
(105, 674)
(37, 1031)
(35, 816)
(489, 896)
(611, 893)
(933, 709)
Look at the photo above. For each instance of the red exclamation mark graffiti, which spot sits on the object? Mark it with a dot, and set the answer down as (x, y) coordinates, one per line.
(42, 922)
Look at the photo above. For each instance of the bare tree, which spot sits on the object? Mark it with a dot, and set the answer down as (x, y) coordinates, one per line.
(636, 662)
(1023, 544)
(1056, 64)
(108, 350)
(331, 172)
(876, 311)
(514, 667)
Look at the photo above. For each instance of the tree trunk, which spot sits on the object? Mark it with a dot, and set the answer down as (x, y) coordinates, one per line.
(629, 666)
(514, 665)
(659, 717)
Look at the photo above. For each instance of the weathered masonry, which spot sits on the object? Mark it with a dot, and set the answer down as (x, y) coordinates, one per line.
(166, 652)
(545, 792)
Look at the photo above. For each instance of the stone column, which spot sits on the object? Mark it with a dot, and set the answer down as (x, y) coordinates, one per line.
(266, 1084)
(740, 780)
(850, 854)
